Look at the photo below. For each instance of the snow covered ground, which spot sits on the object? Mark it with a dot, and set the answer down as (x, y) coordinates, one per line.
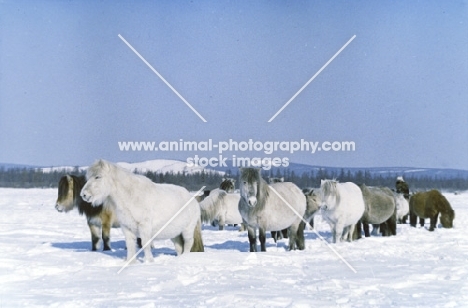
(46, 261)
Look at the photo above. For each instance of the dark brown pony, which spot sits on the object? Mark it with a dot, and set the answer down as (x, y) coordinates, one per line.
(428, 205)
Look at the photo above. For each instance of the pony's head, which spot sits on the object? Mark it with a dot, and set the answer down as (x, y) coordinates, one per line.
(228, 185)
(329, 195)
(250, 181)
(313, 200)
(447, 214)
(65, 197)
(99, 183)
(447, 217)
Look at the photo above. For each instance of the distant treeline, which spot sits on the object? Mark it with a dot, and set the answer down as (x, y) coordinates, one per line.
(36, 178)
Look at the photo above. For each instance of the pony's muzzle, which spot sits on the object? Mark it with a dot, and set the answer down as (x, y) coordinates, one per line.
(84, 196)
(252, 201)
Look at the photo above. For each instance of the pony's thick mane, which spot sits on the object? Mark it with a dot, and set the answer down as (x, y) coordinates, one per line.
(443, 204)
(329, 188)
(105, 168)
(210, 205)
(250, 175)
(83, 206)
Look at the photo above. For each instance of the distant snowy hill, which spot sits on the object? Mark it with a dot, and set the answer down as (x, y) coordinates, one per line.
(158, 166)
(299, 169)
(163, 166)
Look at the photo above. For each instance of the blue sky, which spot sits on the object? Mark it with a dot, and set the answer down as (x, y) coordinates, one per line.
(70, 89)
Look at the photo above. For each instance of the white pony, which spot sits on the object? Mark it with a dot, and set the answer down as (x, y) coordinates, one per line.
(143, 208)
(402, 206)
(270, 208)
(342, 207)
(221, 206)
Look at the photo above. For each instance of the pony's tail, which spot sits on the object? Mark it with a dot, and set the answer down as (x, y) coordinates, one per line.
(197, 239)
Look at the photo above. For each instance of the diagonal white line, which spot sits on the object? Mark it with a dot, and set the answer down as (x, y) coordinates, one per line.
(313, 229)
(162, 78)
(313, 77)
(160, 230)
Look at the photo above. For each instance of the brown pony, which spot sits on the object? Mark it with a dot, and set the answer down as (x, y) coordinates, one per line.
(428, 205)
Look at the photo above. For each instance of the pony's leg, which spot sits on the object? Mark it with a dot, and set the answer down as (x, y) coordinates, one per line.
(145, 235)
(284, 233)
(130, 239)
(351, 232)
(357, 231)
(95, 236)
(404, 219)
(433, 222)
(338, 232)
(107, 217)
(365, 226)
(300, 241)
(421, 221)
(375, 229)
(221, 223)
(296, 236)
(333, 230)
(413, 219)
(178, 244)
(106, 228)
(392, 225)
(384, 229)
(187, 240)
(262, 237)
(292, 237)
(274, 235)
(252, 238)
(344, 234)
(348, 233)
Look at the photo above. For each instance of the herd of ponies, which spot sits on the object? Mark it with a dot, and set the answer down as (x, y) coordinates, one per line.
(111, 197)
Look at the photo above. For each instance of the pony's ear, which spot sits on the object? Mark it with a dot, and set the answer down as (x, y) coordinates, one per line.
(69, 178)
(321, 181)
(102, 164)
(311, 193)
